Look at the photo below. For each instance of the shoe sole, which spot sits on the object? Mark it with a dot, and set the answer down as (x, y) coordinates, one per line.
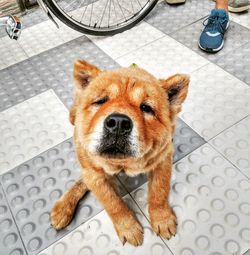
(239, 9)
(175, 1)
(217, 49)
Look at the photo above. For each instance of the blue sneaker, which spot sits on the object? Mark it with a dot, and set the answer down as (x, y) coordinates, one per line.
(212, 36)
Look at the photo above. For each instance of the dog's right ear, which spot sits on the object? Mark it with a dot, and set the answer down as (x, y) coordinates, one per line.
(84, 73)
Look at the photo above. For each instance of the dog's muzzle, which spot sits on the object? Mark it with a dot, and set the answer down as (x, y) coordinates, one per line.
(116, 136)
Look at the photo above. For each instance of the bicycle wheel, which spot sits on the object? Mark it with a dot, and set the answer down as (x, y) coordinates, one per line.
(100, 17)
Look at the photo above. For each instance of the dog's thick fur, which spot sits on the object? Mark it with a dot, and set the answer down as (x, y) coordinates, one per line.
(99, 94)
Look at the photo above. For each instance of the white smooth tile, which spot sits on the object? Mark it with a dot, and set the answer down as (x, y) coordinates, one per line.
(130, 40)
(211, 200)
(98, 237)
(241, 18)
(45, 36)
(234, 144)
(164, 57)
(10, 52)
(216, 100)
(31, 127)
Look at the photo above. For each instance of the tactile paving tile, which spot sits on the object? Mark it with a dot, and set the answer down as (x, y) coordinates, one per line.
(10, 52)
(247, 252)
(216, 100)
(98, 237)
(32, 127)
(45, 36)
(32, 189)
(241, 18)
(211, 200)
(237, 63)
(169, 18)
(10, 241)
(185, 141)
(234, 144)
(50, 69)
(130, 40)
(164, 57)
(235, 37)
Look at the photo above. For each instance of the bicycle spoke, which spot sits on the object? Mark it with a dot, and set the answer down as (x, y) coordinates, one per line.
(103, 12)
(91, 14)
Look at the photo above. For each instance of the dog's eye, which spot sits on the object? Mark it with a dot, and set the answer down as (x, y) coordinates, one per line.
(146, 108)
(101, 101)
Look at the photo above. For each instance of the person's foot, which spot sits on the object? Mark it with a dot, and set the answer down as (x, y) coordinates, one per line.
(238, 5)
(212, 36)
(175, 1)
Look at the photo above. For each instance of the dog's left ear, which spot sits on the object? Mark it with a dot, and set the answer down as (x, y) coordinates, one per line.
(176, 88)
(84, 72)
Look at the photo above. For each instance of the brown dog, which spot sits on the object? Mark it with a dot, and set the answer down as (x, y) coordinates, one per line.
(124, 120)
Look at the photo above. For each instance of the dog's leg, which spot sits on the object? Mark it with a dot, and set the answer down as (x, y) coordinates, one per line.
(125, 223)
(162, 217)
(64, 209)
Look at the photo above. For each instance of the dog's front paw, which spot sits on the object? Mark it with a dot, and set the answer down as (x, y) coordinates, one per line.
(129, 230)
(61, 214)
(163, 222)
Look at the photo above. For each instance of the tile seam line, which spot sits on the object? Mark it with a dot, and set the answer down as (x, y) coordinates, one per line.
(1, 175)
(227, 55)
(214, 63)
(36, 55)
(230, 162)
(235, 123)
(129, 193)
(18, 230)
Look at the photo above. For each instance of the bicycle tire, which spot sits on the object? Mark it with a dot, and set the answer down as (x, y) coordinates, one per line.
(66, 19)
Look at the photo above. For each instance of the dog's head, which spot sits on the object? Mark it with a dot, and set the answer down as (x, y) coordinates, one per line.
(126, 113)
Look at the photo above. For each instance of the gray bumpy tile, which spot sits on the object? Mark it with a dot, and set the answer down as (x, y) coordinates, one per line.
(235, 37)
(33, 187)
(186, 140)
(169, 18)
(10, 241)
(50, 69)
(238, 62)
(247, 252)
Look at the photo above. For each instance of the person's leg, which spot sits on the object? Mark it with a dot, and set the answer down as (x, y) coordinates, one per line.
(222, 4)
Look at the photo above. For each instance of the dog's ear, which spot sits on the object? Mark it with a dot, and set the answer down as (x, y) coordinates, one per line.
(84, 73)
(176, 88)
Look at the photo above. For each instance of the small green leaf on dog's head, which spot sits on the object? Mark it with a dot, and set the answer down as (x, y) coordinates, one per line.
(133, 65)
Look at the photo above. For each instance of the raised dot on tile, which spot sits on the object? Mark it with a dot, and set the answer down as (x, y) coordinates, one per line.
(189, 226)
(77, 236)
(203, 215)
(232, 247)
(28, 228)
(217, 230)
(187, 251)
(245, 234)
(34, 244)
(202, 242)
(59, 248)
(10, 239)
(231, 194)
(102, 241)
(86, 250)
(22, 214)
(5, 225)
(232, 219)
(157, 249)
(217, 204)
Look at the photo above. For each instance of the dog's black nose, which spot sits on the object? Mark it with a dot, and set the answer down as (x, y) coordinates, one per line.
(118, 123)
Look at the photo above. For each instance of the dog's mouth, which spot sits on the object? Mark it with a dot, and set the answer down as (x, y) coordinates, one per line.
(115, 152)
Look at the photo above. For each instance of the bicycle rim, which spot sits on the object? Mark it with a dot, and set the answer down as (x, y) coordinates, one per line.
(96, 16)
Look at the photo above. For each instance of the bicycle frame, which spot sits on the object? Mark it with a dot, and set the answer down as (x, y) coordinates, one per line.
(47, 11)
